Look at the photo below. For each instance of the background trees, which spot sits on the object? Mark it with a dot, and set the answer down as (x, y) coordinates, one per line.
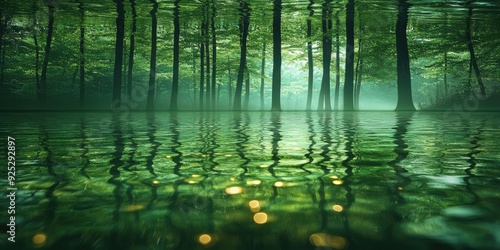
(202, 48)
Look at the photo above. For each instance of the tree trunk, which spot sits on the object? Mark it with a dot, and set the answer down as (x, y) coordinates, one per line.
(337, 59)
(324, 94)
(152, 62)
(310, 64)
(202, 64)
(175, 73)
(82, 54)
(2, 51)
(276, 88)
(446, 74)
(471, 50)
(194, 80)
(43, 80)
(349, 63)
(120, 34)
(359, 65)
(214, 54)
(405, 100)
(244, 22)
(247, 89)
(131, 50)
(229, 84)
(262, 73)
(37, 63)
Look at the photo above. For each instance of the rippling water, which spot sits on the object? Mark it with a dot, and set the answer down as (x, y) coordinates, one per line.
(255, 180)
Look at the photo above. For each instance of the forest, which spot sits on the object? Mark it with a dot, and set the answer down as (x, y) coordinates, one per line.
(249, 55)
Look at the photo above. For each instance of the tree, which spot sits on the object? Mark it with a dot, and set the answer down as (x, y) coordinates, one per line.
(405, 100)
(152, 62)
(42, 98)
(349, 63)
(337, 59)
(175, 75)
(276, 88)
(326, 27)
(82, 54)
(214, 53)
(120, 35)
(131, 50)
(244, 23)
(470, 46)
(310, 64)
(262, 72)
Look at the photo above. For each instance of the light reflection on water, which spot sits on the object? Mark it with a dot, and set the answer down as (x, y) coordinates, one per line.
(255, 180)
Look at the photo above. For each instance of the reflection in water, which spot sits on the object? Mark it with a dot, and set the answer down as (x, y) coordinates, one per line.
(306, 180)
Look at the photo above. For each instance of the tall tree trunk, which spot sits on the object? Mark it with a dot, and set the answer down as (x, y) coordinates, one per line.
(405, 100)
(131, 50)
(3, 27)
(337, 59)
(446, 74)
(42, 98)
(120, 35)
(152, 62)
(82, 54)
(359, 64)
(207, 57)
(326, 26)
(230, 83)
(202, 64)
(175, 73)
(194, 80)
(37, 63)
(247, 88)
(310, 64)
(471, 49)
(349, 63)
(214, 54)
(244, 22)
(262, 73)
(276, 88)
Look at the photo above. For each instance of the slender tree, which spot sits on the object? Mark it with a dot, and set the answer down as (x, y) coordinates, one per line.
(244, 23)
(202, 61)
(82, 54)
(175, 74)
(310, 64)
(276, 88)
(359, 64)
(337, 59)
(131, 49)
(214, 52)
(120, 35)
(247, 88)
(262, 74)
(405, 100)
(470, 46)
(349, 63)
(152, 62)
(326, 27)
(42, 98)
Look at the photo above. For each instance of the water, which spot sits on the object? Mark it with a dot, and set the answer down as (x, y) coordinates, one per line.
(256, 180)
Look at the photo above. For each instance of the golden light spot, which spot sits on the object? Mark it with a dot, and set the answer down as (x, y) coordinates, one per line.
(133, 207)
(205, 239)
(263, 165)
(329, 241)
(155, 182)
(279, 184)
(39, 239)
(232, 179)
(254, 205)
(337, 208)
(297, 149)
(254, 182)
(333, 177)
(192, 182)
(260, 218)
(228, 155)
(195, 175)
(337, 182)
(234, 190)
(168, 156)
(400, 188)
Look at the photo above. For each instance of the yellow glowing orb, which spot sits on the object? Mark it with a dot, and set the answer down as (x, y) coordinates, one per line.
(228, 155)
(195, 175)
(192, 182)
(155, 182)
(168, 156)
(39, 239)
(133, 207)
(400, 188)
(333, 177)
(263, 165)
(337, 182)
(234, 190)
(254, 182)
(337, 208)
(205, 239)
(279, 184)
(260, 218)
(254, 205)
(329, 241)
